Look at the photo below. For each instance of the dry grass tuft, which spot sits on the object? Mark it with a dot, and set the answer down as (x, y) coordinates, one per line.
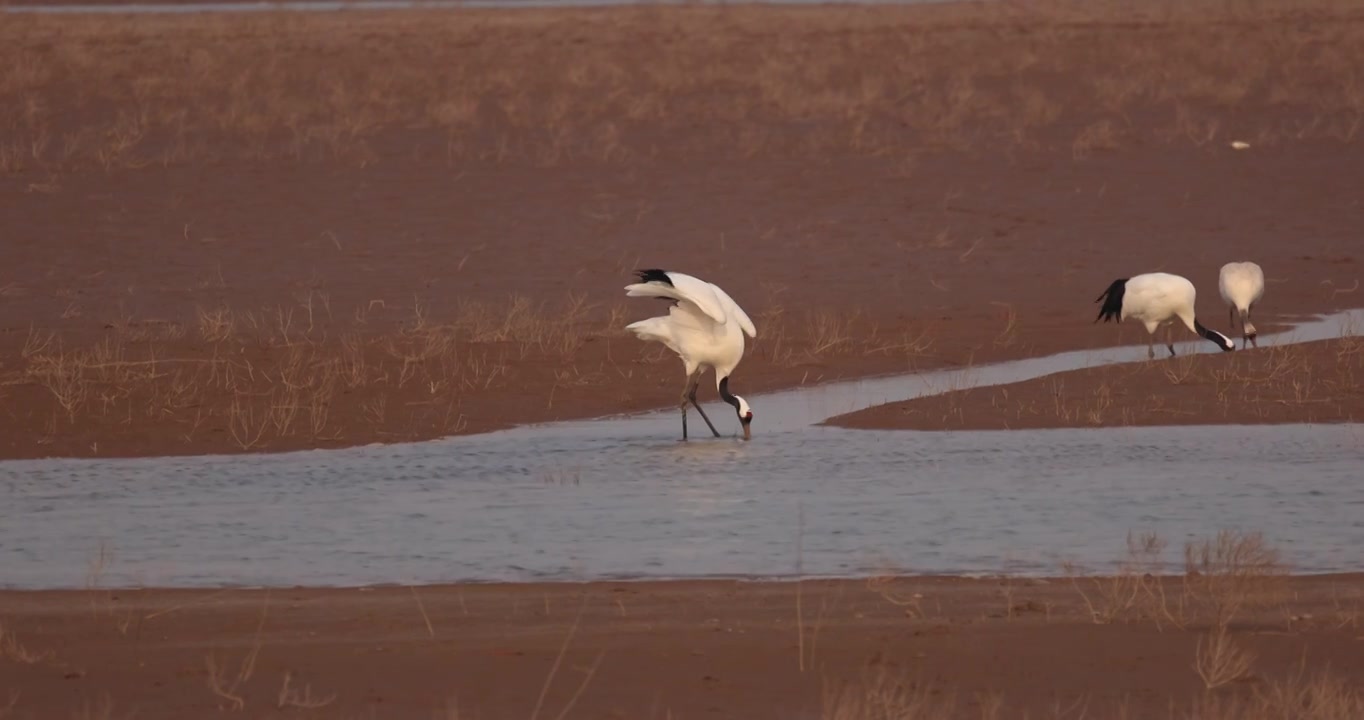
(1099, 135)
(291, 696)
(824, 335)
(215, 325)
(13, 650)
(1224, 577)
(879, 696)
(230, 686)
(1231, 573)
(101, 709)
(1220, 660)
(1299, 696)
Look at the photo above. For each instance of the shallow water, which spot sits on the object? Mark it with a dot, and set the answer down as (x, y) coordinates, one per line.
(622, 498)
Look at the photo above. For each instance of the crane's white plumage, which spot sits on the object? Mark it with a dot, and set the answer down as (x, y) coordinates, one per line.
(1242, 284)
(1156, 299)
(705, 327)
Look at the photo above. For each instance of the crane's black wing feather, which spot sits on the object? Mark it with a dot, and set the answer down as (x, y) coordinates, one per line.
(1112, 307)
(654, 275)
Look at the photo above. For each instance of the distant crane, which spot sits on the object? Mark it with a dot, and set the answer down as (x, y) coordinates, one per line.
(1242, 285)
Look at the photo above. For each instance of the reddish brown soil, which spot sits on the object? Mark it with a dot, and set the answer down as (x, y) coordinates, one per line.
(1316, 382)
(941, 238)
(640, 650)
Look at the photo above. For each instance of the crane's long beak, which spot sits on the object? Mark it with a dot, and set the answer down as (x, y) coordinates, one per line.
(748, 433)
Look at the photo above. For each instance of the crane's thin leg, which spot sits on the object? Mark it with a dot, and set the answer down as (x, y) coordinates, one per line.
(691, 395)
(683, 404)
(1151, 346)
(1231, 318)
(1170, 339)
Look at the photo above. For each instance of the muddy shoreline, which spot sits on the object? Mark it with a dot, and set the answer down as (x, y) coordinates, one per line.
(724, 649)
(1315, 382)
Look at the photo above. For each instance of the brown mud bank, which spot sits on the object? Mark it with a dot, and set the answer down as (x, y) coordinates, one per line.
(232, 234)
(1227, 644)
(1314, 382)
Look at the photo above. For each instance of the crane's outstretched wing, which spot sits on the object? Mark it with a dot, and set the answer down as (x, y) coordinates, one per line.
(734, 310)
(683, 288)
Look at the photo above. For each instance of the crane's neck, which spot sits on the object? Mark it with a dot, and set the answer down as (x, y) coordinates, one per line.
(1215, 337)
(726, 395)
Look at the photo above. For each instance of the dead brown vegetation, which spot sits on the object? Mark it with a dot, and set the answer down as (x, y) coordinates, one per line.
(1226, 578)
(1233, 585)
(272, 376)
(12, 650)
(305, 376)
(548, 87)
(887, 648)
(1298, 695)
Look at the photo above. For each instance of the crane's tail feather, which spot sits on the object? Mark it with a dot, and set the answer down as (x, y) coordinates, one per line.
(1112, 301)
(655, 329)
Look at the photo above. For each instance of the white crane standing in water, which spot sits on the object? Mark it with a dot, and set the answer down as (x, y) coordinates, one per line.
(1156, 299)
(1242, 285)
(705, 327)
